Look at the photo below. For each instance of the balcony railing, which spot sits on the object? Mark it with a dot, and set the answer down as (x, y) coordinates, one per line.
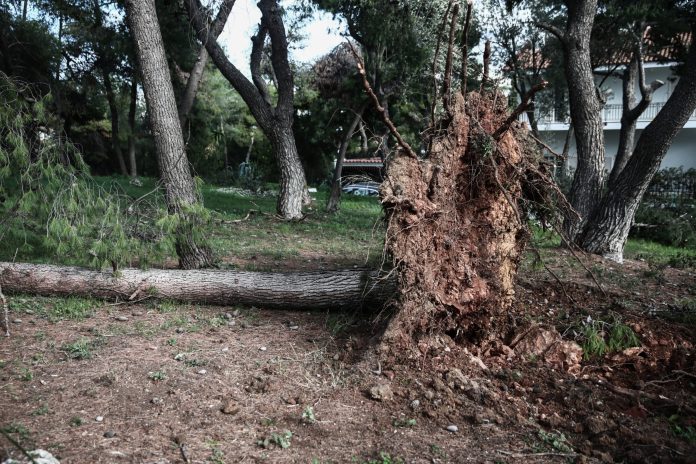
(610, 113)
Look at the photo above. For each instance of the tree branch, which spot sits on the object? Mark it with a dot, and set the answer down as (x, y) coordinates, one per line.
(560, 35)
(385, 118)
(255, 62)
(446, 86)
(465, 46)
(272, 20)
(441, 30)
(520, 109)
(261, 111)
(646, 91)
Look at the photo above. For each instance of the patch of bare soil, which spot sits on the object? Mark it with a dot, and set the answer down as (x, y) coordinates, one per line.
(209, 384)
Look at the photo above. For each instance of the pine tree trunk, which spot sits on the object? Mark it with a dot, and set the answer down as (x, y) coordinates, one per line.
(586, 114)
(607, 230)
(192, 85)
(292, 178)
(334, 201)
(131, 124)
(180, 190)
(347, 289)
(115, 128)
(627, 132)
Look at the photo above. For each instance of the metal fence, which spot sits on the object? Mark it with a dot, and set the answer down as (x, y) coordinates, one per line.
(673, 184)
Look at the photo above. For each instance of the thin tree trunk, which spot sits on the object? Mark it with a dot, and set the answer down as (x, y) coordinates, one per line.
(586, 114)
(60, 40)
(251, 146)
(275, 122)
(131, 124)
(115, 130)
(192, 85)
(180, 190)
(24, 10)
(302, 290)
(334, 201)
(627, 132)
(364, 147)
(607, 230)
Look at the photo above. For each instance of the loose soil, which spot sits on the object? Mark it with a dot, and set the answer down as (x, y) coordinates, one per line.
(176, 383)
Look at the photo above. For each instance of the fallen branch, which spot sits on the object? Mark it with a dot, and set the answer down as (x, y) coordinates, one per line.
(637, 394)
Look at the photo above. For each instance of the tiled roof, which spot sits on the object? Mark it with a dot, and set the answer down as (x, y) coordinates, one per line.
(373, 160)
(665, 54)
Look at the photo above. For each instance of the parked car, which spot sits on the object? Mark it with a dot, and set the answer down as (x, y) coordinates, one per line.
(362, 189)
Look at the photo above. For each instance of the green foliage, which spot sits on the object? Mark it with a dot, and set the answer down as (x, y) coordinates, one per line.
(40, 411)
(681, 430)
(157, 375)
(599, 338)
(79, 350)
(555, 440)
(308, 415)
(621, 337)
(76, 421)
(668, 213)
(16, 428)
(282, 440)
(406, 423)
(26, 374)
(51, 206)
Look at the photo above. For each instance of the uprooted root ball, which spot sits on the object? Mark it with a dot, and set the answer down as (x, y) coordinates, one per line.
(455, 230)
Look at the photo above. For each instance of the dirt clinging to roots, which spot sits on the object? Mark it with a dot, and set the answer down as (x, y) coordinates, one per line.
(454, 227)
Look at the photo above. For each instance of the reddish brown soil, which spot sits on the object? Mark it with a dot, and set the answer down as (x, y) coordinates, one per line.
(617, 408)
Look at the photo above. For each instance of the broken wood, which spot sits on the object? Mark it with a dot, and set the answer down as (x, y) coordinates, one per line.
(343, 289)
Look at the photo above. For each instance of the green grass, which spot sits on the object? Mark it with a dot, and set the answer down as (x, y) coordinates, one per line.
(659, 254)
(80, 349)
(354, 236)
(55, 309)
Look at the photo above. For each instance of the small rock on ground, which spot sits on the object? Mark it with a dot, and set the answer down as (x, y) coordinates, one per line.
(381, 392)
(452, 428)
(39, 456)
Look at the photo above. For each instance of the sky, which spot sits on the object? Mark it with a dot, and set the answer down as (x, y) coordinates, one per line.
(322, 35)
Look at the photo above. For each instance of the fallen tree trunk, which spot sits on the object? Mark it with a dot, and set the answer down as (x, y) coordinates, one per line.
(345, 289)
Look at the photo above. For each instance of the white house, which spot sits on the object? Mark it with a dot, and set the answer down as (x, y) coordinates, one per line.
(554, 127)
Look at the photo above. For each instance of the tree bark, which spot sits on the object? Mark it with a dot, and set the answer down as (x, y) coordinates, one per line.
(180, 189)
(334, 201)
(131, 124)
(607, 230)
(292, 180)
(192, 85)
(275, 121)
(585, 112)
(115, 127)
(632, 111)
(627, 133)
(346, 289)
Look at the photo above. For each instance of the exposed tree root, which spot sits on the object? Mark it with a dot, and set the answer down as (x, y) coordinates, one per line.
(457, 224)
